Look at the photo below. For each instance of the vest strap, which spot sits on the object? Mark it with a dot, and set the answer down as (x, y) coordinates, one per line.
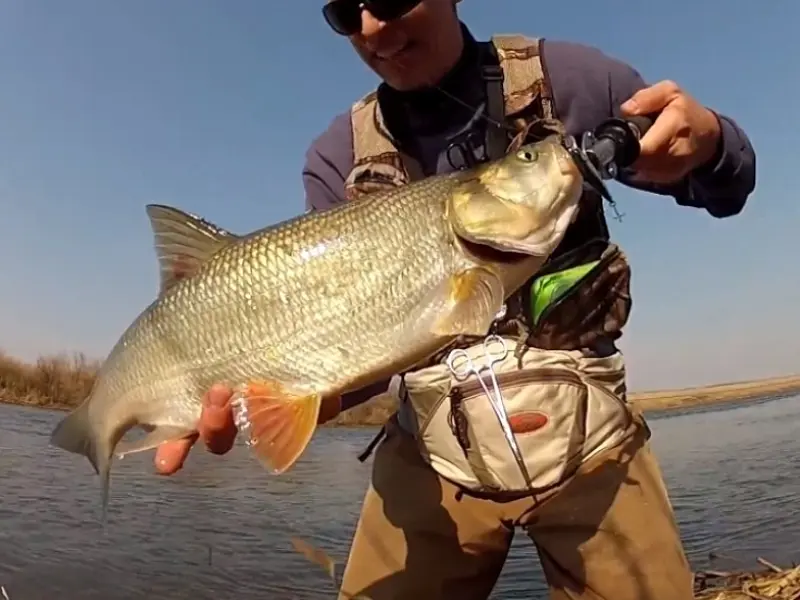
(492, 74)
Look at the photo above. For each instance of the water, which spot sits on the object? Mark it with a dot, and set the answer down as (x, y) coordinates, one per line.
(221, 527)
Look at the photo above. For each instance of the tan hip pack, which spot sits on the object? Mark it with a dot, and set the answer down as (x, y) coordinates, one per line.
(563, 407)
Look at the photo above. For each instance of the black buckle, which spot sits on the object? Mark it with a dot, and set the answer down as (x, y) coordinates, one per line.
(468, 149)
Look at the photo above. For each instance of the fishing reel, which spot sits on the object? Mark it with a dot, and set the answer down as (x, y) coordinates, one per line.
(602, 153)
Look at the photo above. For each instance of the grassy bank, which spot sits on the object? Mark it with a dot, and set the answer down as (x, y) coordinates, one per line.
(62, 382)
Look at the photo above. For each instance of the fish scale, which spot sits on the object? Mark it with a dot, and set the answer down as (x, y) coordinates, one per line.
(317, 305)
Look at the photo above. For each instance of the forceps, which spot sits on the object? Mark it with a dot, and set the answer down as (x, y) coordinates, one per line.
(461, 365)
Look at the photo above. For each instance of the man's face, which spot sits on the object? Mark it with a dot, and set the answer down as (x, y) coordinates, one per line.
(414, 50)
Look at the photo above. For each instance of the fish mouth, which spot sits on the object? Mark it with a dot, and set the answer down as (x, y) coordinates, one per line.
(567, 167)
(488, 252)
(513, 228)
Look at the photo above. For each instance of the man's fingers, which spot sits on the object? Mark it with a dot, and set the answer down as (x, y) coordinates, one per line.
(660, 158)
(652, 99)
(660, 134)
(171, 455)
(216, 425)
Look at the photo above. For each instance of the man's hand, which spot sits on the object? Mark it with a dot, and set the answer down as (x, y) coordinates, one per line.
(216, 427)
(685, 135)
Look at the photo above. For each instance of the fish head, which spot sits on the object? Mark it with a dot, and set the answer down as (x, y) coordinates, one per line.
(522, 202)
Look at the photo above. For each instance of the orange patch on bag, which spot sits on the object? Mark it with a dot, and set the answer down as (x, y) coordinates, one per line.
(527, 422)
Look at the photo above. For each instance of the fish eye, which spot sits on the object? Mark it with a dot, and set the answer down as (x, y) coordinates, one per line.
(527, 155)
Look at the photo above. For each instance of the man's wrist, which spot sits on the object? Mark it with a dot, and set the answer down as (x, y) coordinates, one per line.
(714, 146)
(723, 159)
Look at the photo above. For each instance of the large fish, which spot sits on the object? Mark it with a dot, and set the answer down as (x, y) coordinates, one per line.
(296, 313)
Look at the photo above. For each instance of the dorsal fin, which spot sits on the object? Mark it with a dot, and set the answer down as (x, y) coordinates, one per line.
(183, 242)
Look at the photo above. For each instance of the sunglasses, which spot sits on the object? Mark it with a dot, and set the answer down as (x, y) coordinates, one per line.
(344, 16)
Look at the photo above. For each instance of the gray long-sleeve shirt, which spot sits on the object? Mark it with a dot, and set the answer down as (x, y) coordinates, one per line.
(588, 87)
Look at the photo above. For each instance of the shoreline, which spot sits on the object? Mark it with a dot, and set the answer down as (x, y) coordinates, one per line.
(709, 395)
(37, 384)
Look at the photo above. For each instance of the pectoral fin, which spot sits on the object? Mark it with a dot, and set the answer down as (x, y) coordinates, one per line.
(278, 421)
(156, 436)
(471, 300)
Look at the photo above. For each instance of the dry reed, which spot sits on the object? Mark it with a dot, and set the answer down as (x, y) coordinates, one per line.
(52, 381)
(770, 583)
(62, 382)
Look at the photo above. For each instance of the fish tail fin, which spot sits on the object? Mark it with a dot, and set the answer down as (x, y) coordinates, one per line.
(278, 421)
(75, 434)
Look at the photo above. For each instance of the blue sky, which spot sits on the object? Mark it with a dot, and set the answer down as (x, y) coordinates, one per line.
(210, 105)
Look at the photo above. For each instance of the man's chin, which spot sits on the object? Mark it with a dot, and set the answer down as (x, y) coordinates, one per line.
(401, 79)
(401, 72)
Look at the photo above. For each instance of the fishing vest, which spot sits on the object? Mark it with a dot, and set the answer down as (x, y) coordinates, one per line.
(581, 296)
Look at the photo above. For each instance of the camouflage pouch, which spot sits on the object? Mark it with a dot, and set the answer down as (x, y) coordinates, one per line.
(580, 298)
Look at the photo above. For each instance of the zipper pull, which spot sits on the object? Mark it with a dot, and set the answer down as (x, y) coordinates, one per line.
(457, 419)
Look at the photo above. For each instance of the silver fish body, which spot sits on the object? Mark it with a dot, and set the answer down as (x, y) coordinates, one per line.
(299, 312)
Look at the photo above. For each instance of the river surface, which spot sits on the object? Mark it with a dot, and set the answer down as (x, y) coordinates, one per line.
(220, 528)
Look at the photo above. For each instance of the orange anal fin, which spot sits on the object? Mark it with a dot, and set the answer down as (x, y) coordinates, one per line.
(277, 421)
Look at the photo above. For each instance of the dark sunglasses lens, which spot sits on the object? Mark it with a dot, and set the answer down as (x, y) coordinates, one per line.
(343, 16)
(388, 10)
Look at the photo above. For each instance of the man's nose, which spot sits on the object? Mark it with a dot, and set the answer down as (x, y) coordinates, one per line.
(370, 25)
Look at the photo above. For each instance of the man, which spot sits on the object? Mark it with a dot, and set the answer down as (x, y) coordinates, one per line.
(602, 524)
